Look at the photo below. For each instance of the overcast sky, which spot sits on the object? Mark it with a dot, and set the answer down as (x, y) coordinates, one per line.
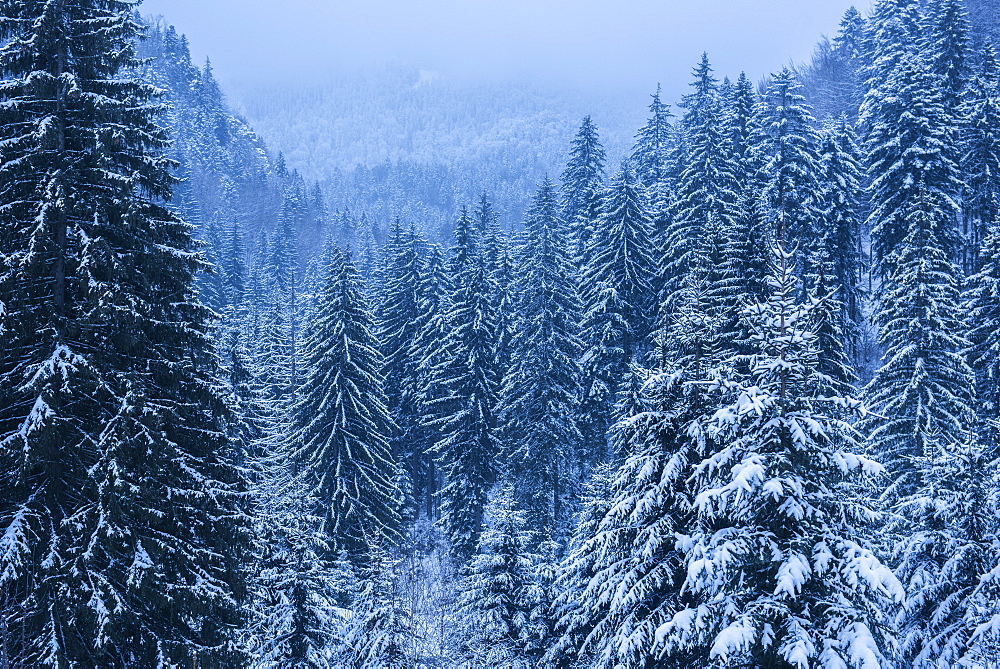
(591, 43)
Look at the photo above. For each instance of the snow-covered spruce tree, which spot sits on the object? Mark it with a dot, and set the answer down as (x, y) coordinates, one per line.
(582, 186)
(423, 390)
(706, 189)
(342, 427)
(947, 33)
(777, 569)
(120, 538)
(650, 155)
(788, 147)
(399, 303)
(210, 281)
(839, 228)
(652, 159)
(279, 363)
(738, 280)
(981, 159)
(495, 599)
(740, 116)
(983, 323)
(912, 148)
(618, 295)
(541, 390)
(573, 620)
(924, 388)
(950, 560)
(467, 378)
(234, 265)
(301, 596)
(398, 306)
(382, 630)
(541, 596)
(892, 32)
(832, 359)
(943, 476)
(622, 579)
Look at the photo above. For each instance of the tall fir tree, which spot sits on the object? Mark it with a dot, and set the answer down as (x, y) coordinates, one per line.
(120, 509)
(619, 300)
(779, 535)
(382, 625)
(706, 190)
(541, 390)
(924, 388)
(840, 228)
(399, 304)
(342, 426)
(582, 184)
(912, 151)
(949, 560)
(299, 615)
(650, 155)
(424, 390)
(467, 376)
(948, 41)
(498, 579)
(788, 146)
(622, 579)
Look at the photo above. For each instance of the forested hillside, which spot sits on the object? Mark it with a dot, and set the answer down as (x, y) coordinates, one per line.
(518, 397)
(400, 141)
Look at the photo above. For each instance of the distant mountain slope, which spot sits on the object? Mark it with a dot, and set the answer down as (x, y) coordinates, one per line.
(400, 113)
(404, 142)
(225, 170)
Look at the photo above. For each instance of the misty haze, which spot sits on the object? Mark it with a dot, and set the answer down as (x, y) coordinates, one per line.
(565, 333)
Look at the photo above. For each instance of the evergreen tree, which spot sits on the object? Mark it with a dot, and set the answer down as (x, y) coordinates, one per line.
(621, 581)
(620, 256)
(575, 616)
(280, 364)
(467, 377)
(541, 595)
(924, 388)
(788, 145)
(714, 300)
(397, 324)
(582, 184)
(840, 230)
(619, 300)
(383, 627)
(234, 265)
(542, 387)
(340, 443)
(650, 155)
(912, 153)
(948, 559)
(706, 189)
(779, 536)
(423, 391)
(948, 44)
(120, 525)
(742, 130)
(300, 615)
(495, 599)
(892, 34)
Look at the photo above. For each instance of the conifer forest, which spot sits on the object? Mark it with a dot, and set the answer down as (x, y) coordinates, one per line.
(722, 390)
